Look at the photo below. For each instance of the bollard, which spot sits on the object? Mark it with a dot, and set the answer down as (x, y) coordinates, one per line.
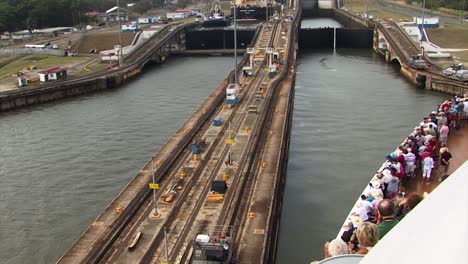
(252, 215)
(247, 129)
(264, 164)
(118, 210)
(225, 176)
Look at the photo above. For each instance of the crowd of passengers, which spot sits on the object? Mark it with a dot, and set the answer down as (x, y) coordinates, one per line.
(383, 204)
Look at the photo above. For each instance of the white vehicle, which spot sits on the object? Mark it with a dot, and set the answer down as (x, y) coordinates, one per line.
(417, 62)
(55, 46)
(462, 75)
(453, 69)
(34, 46)
(231, 95)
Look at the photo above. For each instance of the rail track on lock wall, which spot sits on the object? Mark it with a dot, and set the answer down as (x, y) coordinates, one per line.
(181, 225)
(116, 239)
(100, 238)
(234, 205)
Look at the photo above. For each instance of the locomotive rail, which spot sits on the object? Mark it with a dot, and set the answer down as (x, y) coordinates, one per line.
(132, 234)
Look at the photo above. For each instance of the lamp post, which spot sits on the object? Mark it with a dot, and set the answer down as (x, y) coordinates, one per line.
(120, 34)
(235, 44)
(463, 12)
(155, 212)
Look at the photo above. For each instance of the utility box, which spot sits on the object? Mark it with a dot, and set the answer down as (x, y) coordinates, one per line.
(217, 121)
(196, 148)
(218, 186)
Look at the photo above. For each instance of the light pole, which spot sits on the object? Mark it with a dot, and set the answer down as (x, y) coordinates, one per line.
(266, 18)
(235, 44)
(422, 27)
(155, 212)
(463, 12)
(120, 34)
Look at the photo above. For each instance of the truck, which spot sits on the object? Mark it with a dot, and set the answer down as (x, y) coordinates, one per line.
(417, 62)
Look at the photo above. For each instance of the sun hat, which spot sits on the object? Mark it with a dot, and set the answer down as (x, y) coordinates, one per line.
(375, 183)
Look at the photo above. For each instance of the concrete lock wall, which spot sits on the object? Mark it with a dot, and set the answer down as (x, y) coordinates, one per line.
(41, 95)
(218, 39)
(54, 52)
(345, 38)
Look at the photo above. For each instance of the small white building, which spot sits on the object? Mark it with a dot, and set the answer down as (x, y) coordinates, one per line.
(177, 15)
(51, 74)
(113, 15)
(147, 20)
(429, 22)
(132, 27)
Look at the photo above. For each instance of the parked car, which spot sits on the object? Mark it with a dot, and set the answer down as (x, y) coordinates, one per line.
(462, 75)
(453, 69)
(417, 62)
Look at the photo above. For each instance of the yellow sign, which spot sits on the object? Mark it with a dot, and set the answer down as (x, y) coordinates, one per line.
(154, 186)
(230, 141)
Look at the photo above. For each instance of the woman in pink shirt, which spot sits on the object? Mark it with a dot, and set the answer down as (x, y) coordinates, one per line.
(443, 131)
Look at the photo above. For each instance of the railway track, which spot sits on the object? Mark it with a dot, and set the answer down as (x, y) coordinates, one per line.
(117, 245)
(182, 227)
(181, 252)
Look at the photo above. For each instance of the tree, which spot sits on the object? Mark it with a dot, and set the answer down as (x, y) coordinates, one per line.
(6, 15)
(143, 6)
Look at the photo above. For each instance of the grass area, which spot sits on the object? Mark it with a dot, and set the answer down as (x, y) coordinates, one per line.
(449, 37)
(360, 6)
(4, 58)
(453, 38)
(103, 41)
(40, 61)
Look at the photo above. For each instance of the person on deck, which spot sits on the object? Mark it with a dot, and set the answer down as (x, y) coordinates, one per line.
(443, 132)
(410, 158)
(336, 247)
(407, 204)
(387, 219)
(367, 235)
(441, 119)
(428, 164)
(445, 159)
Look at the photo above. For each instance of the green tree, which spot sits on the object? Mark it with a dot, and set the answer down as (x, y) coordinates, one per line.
(143, 6)
(6, 15)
